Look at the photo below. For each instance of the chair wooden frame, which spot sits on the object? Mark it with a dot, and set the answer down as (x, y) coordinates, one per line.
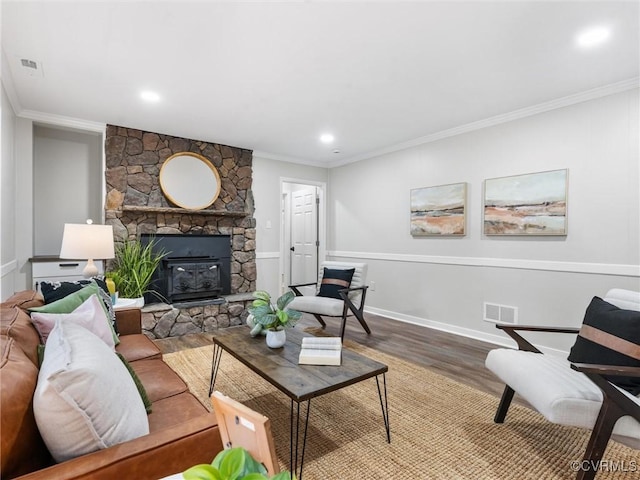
(242, 427)
(614, 405)
(349, 306)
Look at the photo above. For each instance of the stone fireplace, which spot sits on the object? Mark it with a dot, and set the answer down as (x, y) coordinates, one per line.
(136, 207)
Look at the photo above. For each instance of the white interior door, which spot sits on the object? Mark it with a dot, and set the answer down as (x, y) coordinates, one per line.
(304, 235)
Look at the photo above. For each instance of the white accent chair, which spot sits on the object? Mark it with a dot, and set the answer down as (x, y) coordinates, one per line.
(571, 394)
(352, 298)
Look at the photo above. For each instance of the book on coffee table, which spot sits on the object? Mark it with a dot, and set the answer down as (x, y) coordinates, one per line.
(320, 351)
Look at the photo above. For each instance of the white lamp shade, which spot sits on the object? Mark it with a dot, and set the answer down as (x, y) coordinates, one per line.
(84, 241)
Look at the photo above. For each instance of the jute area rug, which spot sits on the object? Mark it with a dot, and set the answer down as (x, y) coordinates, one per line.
(440, 429)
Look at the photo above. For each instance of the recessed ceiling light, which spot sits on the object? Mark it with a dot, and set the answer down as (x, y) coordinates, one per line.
(149, 96)
(592, 37)
(326, 138)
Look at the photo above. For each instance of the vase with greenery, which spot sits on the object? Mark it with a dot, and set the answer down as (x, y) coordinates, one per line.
(134, 266)
(272, 317)
(232, 464)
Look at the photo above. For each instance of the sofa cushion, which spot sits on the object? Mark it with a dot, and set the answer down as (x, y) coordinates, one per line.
(90, 315)
(138, 347)
(174, 410)
(69, 303)
(134, 376)
(21, 446)
(16, 324)
(159, 380)
(334, 280)
(85, 399)
(610, 336)
(24, 299)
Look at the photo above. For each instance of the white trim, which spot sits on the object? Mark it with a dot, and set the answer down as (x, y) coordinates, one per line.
(516, 263)
(562, 102)
(62, 121)
(498, 340)
(267, 255)
(8, 267)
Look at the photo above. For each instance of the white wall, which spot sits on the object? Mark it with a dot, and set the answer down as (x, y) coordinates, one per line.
(68, 179)
(444, 281)
(8, 257)
(267, 176)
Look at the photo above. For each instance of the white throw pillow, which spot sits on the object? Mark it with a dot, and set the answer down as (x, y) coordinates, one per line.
(90, 314)
(85, 399)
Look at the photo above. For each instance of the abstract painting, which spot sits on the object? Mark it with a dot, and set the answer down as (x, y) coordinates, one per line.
(531, 204)
(439, 210)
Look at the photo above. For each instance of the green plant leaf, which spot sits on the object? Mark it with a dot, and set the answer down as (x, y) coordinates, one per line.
(202, 472)
(259, 303)
(294, 314)
(285, 300)
(254, 476)
(262, 295)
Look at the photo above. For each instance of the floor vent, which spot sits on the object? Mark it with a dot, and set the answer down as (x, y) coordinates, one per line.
(500, 313)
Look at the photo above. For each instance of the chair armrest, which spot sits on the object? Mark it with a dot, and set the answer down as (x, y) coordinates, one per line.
(606, 369)
(524, 344)
(538, 328)
(150, 457)
(298, 292)
(129, 321)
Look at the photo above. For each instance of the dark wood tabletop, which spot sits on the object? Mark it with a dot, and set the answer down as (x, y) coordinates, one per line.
(280, 367)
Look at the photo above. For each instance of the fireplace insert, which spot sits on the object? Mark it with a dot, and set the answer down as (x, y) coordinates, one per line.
(196, 267)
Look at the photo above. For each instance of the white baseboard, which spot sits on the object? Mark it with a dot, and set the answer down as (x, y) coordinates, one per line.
(499, 340)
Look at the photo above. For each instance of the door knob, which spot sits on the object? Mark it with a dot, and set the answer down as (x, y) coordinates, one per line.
(293, 249)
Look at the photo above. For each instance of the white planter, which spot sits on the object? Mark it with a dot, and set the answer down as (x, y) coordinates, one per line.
(132, 302)
(276, 338)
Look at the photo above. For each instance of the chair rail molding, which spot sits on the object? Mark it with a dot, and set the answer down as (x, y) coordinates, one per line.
(514, 263)
(8, 267)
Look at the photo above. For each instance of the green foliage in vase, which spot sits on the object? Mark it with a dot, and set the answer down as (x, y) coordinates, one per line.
(134, 266)
(232, 464)
(274, 317)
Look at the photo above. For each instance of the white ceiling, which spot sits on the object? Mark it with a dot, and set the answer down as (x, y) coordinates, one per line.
(273, 76)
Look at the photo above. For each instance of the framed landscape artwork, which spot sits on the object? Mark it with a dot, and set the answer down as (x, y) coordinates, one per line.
(531, 204)
(439, 210)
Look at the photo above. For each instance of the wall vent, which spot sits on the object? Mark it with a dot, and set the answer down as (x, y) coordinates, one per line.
(33, 68)
(500, 313)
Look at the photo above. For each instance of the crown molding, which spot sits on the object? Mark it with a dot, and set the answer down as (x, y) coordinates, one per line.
(62, 121)
(562, 102)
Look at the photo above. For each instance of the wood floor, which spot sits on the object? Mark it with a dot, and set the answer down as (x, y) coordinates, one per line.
(456, 357)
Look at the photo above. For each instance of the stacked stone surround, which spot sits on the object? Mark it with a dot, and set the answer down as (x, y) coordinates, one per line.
(135, 204)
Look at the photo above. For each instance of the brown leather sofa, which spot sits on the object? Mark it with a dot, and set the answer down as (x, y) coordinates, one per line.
(183, 432)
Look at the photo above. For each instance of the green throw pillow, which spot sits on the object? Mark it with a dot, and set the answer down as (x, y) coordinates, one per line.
(136, 380)
(69, 303)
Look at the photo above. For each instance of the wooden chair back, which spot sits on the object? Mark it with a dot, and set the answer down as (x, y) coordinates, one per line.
(242, 427)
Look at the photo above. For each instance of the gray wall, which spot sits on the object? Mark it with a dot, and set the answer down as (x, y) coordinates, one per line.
(443, 282)
(267, 177)
(68, 179)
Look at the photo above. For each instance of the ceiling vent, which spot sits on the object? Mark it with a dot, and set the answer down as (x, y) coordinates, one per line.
(33, 68)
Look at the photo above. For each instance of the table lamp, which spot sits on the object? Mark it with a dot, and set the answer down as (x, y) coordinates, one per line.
(80, 241)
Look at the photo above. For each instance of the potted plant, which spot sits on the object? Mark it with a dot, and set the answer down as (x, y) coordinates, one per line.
(133, 268)
(232, 464)
(273, 318)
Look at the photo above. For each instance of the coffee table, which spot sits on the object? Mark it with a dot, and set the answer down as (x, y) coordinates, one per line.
(300, 383)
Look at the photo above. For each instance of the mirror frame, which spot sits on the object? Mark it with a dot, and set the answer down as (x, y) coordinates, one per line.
(171, 196)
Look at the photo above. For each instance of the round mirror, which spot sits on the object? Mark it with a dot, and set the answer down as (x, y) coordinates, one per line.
(189, 181)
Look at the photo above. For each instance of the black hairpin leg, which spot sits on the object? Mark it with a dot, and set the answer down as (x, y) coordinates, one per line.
(384, 404)
(215, 363)
(294, 439)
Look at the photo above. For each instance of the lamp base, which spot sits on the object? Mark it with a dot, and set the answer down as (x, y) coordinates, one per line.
(90, 270)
